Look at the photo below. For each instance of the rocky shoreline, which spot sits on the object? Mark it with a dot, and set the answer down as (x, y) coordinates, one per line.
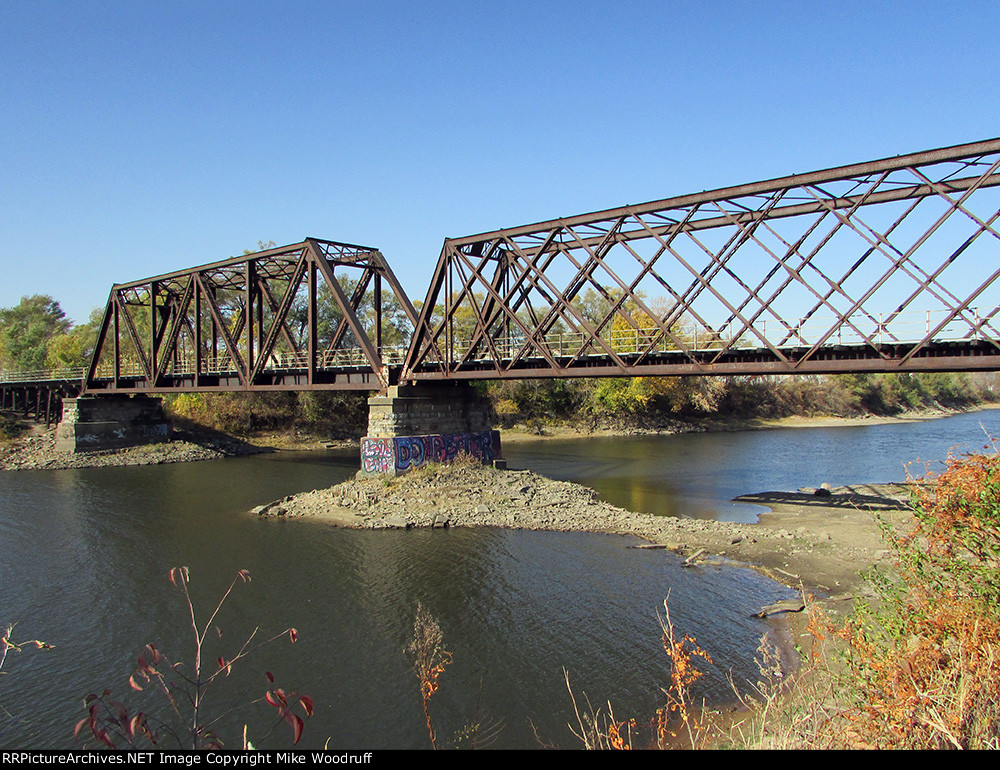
(36, 450)
(819, 541)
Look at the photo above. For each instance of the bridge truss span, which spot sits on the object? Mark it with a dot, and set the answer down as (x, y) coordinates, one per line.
(885, 266)
(316, 315)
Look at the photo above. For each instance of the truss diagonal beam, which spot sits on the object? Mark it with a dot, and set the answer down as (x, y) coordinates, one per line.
(750, 273)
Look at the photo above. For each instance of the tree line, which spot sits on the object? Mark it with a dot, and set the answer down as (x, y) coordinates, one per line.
(655, 402)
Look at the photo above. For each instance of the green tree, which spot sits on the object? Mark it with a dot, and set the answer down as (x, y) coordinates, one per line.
(27, 330)
(75, 347)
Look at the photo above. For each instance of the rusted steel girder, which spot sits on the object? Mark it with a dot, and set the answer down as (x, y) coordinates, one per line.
(885, 266)
(309, 316)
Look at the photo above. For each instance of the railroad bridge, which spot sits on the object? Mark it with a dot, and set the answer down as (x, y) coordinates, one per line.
(884, 266)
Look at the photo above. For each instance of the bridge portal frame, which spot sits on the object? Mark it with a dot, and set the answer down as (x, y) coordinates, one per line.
(171, 333)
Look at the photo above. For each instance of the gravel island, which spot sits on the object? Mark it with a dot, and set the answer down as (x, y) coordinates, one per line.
(821, 541)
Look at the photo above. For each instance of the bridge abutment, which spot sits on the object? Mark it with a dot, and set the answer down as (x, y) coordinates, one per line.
(411, 425)
(92, 423)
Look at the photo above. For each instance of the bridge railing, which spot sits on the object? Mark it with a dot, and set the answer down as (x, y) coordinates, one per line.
(862, 329)
(185, 366)
(906, 327)
(43, 375)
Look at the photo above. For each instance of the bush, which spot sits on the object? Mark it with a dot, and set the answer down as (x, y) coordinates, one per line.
(926, 656)
(184, 722)
(330, 413)
(10, 427)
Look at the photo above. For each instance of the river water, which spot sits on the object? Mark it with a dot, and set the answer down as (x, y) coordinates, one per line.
(85, 554)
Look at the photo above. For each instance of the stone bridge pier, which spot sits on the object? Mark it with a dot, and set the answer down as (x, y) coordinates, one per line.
(92, 423)
(411, 425)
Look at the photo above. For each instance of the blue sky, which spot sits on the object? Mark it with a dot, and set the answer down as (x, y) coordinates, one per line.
(138, 138)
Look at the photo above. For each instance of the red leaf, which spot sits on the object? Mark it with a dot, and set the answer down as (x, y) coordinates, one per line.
(137, 723)
(269, 675)
(297, 724)
(276, 698)
(133, 684)
(307, 704)
(244, 575)
(79, 727)
(293, 635)
(179, 573)
(102, 736)
(120, 710)
(224, 665)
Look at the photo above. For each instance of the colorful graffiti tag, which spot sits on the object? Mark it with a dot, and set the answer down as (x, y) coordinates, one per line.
(401, 453)
(377, 455)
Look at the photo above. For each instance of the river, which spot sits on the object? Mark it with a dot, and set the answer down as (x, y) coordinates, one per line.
(85, 554)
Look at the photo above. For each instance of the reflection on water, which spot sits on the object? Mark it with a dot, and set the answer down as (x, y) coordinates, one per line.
(696, 475)
(84, 556)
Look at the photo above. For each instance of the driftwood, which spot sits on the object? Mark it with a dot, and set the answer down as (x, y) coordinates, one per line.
(786, 605)
(690, 560)
(653, 545)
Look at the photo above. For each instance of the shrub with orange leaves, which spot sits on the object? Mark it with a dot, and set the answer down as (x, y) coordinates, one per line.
(926, 655)
(679, 718)
(956, 544)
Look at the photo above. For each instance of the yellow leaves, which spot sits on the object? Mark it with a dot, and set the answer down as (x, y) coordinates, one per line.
(682, 651)
(7, 643)
(428, 678)
(615, 738)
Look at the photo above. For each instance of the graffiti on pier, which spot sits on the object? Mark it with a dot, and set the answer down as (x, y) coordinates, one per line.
(402, 453)
(377, 455)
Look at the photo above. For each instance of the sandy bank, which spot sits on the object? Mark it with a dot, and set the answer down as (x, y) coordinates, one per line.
(822, 543)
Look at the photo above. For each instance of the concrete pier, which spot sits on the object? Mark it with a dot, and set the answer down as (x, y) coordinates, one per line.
(92, 423)
(411, 425)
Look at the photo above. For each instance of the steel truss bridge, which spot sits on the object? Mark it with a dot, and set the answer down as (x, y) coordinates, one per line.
(885, 266)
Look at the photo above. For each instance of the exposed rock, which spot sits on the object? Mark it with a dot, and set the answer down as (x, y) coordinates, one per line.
(37, 451)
